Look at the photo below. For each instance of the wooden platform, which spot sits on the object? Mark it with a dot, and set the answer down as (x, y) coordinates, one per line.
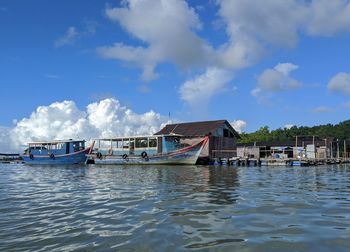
(279, 161)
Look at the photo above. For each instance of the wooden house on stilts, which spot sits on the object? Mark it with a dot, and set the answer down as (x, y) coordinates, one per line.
(222, 137)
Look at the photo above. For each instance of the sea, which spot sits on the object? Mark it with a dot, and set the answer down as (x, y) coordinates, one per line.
(174, 208)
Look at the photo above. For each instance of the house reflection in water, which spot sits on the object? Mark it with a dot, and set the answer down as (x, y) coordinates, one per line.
(214, 185)
(223, 183)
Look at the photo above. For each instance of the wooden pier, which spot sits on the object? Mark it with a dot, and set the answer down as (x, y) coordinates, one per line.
(279, 161)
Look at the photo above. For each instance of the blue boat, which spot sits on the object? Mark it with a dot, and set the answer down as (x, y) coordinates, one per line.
(60, 152)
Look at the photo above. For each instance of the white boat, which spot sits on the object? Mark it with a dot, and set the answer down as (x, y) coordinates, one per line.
(145, 150)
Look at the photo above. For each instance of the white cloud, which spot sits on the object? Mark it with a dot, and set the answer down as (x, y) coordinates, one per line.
(239, 125)
(322, 109)
(251, 25)
(285, 68)
(6, 145)
(340, 83)
(63, 120)
(276, 80)
(346, 104)
(254, 26)
(288, 126)
(110, 119)
(327, 18)
(67, 39)
(200, 89)
(167, 29)
(52, 76)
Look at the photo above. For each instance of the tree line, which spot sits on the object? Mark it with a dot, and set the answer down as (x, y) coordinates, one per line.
(339, 131)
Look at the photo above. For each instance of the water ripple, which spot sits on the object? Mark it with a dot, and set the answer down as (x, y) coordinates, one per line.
(91, 208)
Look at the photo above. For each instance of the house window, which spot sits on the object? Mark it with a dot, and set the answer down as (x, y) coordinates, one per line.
(226, 133)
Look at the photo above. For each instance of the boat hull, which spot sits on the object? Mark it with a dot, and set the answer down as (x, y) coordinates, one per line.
(67, 159)
(186, 156)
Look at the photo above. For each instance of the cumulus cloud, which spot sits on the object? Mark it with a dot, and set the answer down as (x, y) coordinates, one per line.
(200, 89)
(327, 18)
(340, 83)
(166, 27)
(239, 125)
(254, 26)
(63, 120)
(68, 38)
(285, 68)
(251, 25)
(169, 31)
(276, 79)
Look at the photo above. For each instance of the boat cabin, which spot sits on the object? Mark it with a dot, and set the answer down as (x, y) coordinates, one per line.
(60, 147)
(137, 145)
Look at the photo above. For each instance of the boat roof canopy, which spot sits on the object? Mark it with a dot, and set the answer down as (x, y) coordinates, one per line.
(136, 137)
(55, 142)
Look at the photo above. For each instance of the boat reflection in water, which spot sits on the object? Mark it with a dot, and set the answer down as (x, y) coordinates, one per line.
(60, 152)
(160, 149)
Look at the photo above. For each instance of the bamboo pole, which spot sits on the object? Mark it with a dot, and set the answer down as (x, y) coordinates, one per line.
(344, 149)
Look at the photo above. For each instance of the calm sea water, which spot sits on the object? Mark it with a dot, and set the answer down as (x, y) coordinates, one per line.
(91, 208)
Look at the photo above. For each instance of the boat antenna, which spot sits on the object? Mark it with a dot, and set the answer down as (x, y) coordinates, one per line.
(172, 131)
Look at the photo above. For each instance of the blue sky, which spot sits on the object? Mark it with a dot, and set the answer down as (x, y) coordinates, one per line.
(144, 55)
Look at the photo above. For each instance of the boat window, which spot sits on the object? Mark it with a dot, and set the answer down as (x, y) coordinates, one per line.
(76, 146)
(105, 144)
(34, 147)
(60, 146)
(81, 145)
(141, 143)
(126, 144)
(172, 139)
(132, 143)
(152, 142)
(119, 144)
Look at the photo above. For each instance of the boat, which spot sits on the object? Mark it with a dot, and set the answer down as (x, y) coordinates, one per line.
(57, 152)
(146, 150)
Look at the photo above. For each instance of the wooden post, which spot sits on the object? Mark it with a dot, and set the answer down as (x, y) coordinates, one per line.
(344, 149)
(338, 154)
(332, 149)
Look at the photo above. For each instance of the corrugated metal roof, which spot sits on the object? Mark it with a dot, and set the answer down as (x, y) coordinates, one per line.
(195, 128)
(289, 143)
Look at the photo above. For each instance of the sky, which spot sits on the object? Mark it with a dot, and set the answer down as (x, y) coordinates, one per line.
(101, 68)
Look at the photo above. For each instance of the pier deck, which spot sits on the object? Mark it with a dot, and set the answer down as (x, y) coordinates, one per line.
(280, 162)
